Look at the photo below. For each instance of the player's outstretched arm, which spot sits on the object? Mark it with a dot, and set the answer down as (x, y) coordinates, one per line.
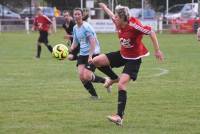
(68, 36)
(158, 53)
(107, 10)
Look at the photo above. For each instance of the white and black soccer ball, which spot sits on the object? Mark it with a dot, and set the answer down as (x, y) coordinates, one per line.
(60, 51)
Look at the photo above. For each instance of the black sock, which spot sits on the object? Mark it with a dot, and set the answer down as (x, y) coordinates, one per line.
(49, 47)
(98, 79)
(90, 88)
(109, 72)
(121, 102)
(39, 48)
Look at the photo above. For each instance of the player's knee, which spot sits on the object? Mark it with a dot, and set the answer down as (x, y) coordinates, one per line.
(81, 77)
(70, 57)
(99, 61)
(87, 77)
(121, 86)
(95, 61)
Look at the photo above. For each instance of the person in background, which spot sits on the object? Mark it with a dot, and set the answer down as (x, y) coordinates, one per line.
(68, 27)
(43, 24)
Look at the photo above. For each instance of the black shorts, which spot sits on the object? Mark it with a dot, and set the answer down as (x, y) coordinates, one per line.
(131, 67)
(43, 38)
(84, 60)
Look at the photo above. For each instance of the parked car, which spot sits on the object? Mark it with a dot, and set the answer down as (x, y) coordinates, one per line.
(147, 13)
(30, 12)
(6, 13)
(174, 12)
(190, 10)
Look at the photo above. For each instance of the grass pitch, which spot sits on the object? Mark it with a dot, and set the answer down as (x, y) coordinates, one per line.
(45, 96)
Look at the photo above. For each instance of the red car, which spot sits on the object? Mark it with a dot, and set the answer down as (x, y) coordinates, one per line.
(189, 25)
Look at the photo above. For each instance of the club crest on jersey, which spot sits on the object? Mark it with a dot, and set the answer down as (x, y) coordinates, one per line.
(125, 43)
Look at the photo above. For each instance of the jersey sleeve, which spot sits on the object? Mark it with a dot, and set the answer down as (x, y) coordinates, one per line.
(89, 31)
(137, 25)
(47, 19)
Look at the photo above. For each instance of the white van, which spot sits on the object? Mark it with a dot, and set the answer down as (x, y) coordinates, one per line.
(190, 10)
(174, 12)
(7, 13)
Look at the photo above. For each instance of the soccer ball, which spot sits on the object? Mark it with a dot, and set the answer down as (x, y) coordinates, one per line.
(60, 51)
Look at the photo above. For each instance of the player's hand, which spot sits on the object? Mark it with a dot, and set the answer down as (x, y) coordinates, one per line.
(67, 37)
(159, 55)
(32, 29)
(90, 60)
(50, 31)
(102, 5)
(70, 57)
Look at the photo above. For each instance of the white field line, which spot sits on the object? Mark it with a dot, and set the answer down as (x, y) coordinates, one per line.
(162, 71)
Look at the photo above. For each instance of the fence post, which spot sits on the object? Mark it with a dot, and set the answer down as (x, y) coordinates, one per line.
(160, 24)
(54, 24)
(27, 25)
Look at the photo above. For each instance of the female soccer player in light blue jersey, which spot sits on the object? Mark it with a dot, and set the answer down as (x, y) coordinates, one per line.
(84, 34)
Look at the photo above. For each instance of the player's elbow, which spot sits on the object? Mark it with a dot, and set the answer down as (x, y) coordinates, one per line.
(152, 33)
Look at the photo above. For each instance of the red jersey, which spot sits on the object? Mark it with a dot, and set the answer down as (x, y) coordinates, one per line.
(42, 23)
(131, 39)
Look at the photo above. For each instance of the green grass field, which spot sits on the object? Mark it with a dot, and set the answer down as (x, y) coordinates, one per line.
(45, 96)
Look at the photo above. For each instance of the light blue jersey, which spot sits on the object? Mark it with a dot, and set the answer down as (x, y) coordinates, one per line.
(81, 36)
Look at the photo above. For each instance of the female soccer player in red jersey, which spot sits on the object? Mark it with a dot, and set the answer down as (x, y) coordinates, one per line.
(130, 33)
(42, 23)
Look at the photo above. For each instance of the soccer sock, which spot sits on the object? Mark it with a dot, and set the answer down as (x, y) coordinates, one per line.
(49, 47)
(98, 79)
(39, 48)
(121, 102)
(109, 72)
(88, 85)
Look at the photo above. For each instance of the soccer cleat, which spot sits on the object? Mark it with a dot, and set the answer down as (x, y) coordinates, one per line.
(115, 119)
(107, 84)
(37, 57)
